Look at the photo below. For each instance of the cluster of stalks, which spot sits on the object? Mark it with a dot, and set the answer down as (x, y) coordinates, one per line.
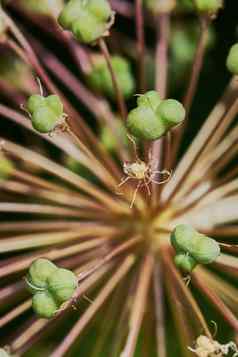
(122, 255)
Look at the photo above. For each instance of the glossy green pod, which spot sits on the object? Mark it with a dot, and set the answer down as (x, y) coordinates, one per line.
(44, 120)
(70, 13)
(185, 262)
(62, 284)
(39, 271)
(87, 28)
(185, 239)
(34, 102)
(232, 59)
(53, 101)
(44, 305)
(171, 112)
(101, 9)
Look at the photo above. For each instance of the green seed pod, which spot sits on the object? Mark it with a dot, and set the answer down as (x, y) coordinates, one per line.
(101, 9)
(160, 6)
(232, 59)
(151, 98)
(208, 6)
(203, 249)
(100, 78)
(171, 112)
(87, 19)
(6, 167)
(54, 102)
(87, 28)
(44, 305)
(40, 270)
(62, 284)
(44, 120)
(185, 262)
(34, 102)
(70, 13)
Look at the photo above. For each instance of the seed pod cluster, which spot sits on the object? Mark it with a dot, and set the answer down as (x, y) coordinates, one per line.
(87, 19)
(193, 248)
(100, 78)
(153, 117)
(45, 112)
(51, 286)
(232, 59)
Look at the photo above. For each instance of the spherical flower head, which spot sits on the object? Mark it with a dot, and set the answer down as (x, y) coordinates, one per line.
(46, 112)
(171, 112)
(185, 262)
(62, 284)
(208, 6)
(100, 78)
(44, 305)
(88, 20)
(232, 59)
(6, 167)
(39, 272)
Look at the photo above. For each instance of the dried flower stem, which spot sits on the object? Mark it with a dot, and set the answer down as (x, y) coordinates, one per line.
(159, 310)
(20, 309)
(119, 95)
(97, 303)
(140, 44)
(138, 308)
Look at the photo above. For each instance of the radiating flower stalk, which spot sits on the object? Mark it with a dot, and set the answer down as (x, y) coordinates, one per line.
(97, 191)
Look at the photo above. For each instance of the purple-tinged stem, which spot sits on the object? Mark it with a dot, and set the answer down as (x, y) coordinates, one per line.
(140, 44)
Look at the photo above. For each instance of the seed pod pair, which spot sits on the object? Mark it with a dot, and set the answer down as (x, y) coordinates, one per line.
(100, 78)
(87, 19)
(45, 112)
(232, 59)
(153, 117)
(51, 286)
(193, 248)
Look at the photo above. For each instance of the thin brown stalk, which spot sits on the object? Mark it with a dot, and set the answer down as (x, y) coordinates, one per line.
(159, 310)
(123, 8)
(139, 306)
(120, 99)
(94, 307)
(193, 82)
(160, 147)
(139, 18)
(20, 309)
(216, 301)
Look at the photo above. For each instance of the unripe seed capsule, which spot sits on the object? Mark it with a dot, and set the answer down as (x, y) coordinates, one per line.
(40, 270)
(151, 98)
(6, 167)
(232, 59)
(55, 104)
(44, 304)
(100, 9)
(185, 262)
(87, 28)
(62, 284)
(44, 120)
(35, 102)
(171, 112)
(203, 249)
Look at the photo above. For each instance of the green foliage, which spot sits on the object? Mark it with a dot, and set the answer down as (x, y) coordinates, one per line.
(100, 78)
(232, 59)
(87, 19)
(51, 286)
(6, 167)
(153, 118)
(45, 112)
(193, 248)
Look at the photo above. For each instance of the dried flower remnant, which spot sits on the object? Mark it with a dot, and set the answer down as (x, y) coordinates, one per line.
(60, 206)
(206, 347)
